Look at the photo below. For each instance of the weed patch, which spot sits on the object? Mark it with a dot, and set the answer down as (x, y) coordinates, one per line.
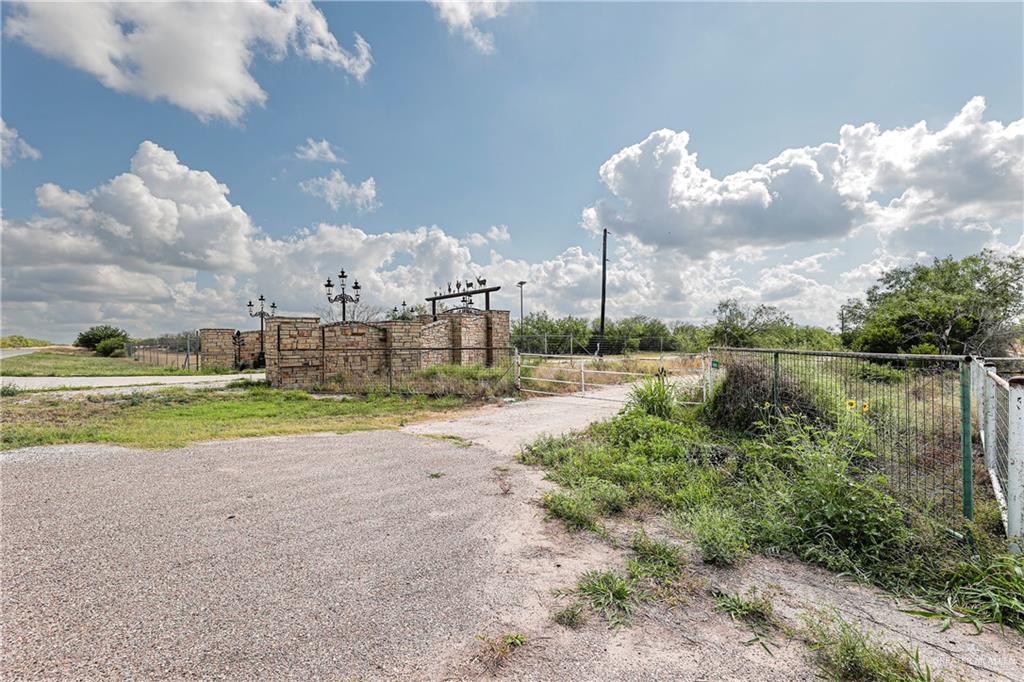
(572, 616)
(609, 594)
(845, 653)
(718, 533)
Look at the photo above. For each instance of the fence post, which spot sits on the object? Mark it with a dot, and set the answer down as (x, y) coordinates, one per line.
(966, 448)
(570, 344)
(583, 376)
(989, 437)
(1015, 464)
(545, 344)
(518, 362)
(775, 381)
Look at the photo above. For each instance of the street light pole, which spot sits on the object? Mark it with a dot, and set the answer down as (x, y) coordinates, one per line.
(343, 298)
(264, 316)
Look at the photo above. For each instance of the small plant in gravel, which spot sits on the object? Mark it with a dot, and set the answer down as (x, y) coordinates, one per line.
(845, 653)
(609, 594)
(718, 533)
(495, 651)
(435, 474)
(756, 611)
(571, 616)
(8, 391)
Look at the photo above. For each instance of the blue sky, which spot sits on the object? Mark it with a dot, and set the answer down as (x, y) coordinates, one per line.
(464, 139)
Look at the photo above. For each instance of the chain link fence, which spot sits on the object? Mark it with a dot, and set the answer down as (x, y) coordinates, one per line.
(911, 411)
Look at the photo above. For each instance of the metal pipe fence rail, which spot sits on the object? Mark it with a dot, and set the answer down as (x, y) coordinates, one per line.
(911, 411)
(583, 376)
(590, 344)
(999, 409)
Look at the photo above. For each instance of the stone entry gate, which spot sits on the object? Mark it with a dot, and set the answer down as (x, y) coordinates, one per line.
(302, 353)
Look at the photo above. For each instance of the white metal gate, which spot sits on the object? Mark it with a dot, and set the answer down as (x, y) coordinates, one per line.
(610, 378)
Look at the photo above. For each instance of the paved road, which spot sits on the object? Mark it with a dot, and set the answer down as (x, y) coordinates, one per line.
(14, 352)
(188, 381)
(306, 557)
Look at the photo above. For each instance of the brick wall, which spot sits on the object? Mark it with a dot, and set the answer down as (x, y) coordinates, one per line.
(217, 350)
(302, 353)
(294, 352)
(354, 349)
(499, 337)
(249, 352)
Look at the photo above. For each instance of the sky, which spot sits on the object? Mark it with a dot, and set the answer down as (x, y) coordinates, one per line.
(165, 163)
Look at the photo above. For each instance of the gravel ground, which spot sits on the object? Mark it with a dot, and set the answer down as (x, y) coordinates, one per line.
(342, 557)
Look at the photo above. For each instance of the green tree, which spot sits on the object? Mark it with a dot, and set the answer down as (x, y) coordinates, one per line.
(745, 326)
(93, 336)
(972, 305)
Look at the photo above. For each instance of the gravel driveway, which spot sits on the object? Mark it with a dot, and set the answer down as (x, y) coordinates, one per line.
(160, 380)
(319, 556)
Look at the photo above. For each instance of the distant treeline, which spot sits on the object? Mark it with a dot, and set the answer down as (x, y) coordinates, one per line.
(734, 325)
(973, 306)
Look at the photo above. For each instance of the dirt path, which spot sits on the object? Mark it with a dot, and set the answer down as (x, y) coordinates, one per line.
(378, 555)
(141, 382)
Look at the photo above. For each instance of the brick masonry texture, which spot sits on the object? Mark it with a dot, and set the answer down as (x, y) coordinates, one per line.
(301, 353)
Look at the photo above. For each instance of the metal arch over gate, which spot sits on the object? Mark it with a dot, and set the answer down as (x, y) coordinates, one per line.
(584, 376)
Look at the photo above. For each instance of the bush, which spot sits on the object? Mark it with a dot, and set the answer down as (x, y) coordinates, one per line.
(743, 399)
(107, 347)
(656, 396)
(924, 349)
(879, 374)
(578, 513)
(719, 535)
(93, 336)
(19, 341)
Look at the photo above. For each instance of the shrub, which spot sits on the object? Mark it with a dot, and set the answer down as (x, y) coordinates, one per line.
(719, 535)
(108, 346)
(91, 337)
(606, 496)
(924, 349)
(656, 396)
(19, 341)
(742, 400)
(879, 374)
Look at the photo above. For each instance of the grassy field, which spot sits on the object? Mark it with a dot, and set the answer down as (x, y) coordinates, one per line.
(177, 417)
(82, 365)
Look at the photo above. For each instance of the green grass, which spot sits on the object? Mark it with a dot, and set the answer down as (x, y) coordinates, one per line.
(19, 341)
(81, 365)
(610, 594)
(794, 487)
(177, 417)
(572, 616)
(654, 560)
(845, 653)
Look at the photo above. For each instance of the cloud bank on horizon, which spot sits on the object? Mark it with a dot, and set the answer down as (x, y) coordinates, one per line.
(161, 247)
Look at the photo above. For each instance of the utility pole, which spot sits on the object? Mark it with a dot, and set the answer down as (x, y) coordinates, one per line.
(521, 284)
(604, 281)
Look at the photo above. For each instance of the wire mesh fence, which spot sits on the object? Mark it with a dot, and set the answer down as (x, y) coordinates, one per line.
(586, 376)
(907, 409)
(178, 353)
(478, 371)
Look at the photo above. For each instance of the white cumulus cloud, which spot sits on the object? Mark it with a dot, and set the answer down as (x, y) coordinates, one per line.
(314, 150)
(14, 147)
(194, 55)
(336, 191)
(462, 17)
(965, 178)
